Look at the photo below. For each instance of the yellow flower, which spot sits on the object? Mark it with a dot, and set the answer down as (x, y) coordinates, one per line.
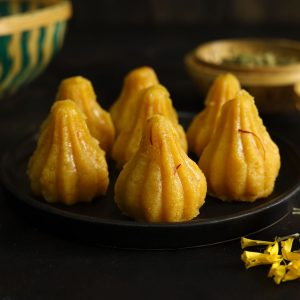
(273, 249)
(248, 243)
(286, 250)
(293, 270)
(277, 271)
(285, 267)
(252, 259)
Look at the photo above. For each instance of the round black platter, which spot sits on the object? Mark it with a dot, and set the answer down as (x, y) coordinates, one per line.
(101, 222)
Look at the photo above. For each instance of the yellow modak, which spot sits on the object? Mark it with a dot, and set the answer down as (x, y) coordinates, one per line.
(203, 126)
(68, 165)
(125, 106)
(160, 183)
(99, 122)
(241, 162)
(153, 100)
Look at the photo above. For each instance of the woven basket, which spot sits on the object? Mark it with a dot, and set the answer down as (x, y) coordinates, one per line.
(31, 33)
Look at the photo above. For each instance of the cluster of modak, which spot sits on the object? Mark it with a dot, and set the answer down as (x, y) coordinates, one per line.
(158, 182)
(68, 165)
(237, 155)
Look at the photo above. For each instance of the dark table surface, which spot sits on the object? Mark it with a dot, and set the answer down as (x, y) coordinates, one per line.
(39, 264)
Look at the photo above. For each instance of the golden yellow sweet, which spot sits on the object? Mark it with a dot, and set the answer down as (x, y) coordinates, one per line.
(68, 165)
(203, 126)
(160, 183)
(240, 162)
(124, 107)
(153, 100)
(99, 122)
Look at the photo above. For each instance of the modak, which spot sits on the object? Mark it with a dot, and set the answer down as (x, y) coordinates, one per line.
(124, 107)
(160, 183)
(240, 162)
(153, 100)
(68, 165)
(99, 122)
(203, 126)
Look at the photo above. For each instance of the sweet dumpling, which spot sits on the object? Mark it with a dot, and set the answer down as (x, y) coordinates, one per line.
(125, 106)
(160, 183)
(203, 126)
(240, 162)
(99, 122)
(153, 100)
(68, 166)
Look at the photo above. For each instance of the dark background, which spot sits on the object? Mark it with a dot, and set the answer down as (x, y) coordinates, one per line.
(188, 12)
(105, 40)
(108, 38)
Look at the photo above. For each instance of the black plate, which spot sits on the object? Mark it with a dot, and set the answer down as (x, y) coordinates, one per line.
(101, 221)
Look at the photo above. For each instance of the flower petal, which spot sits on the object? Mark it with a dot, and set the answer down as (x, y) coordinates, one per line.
(293, 270)
(248, 242)
(287, 250)
(277, 271)
(252, 259)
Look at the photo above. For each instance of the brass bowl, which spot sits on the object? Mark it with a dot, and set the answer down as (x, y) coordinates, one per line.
(275, 88)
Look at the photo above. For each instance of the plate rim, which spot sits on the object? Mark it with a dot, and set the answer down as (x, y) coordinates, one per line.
(73, 216)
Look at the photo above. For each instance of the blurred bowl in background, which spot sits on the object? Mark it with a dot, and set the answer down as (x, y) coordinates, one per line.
(268, 68)
(31, 33)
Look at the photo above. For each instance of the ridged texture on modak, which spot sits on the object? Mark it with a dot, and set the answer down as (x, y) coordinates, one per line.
(99, 122)
(241, 162)
(153, 100)
(68, 165)
(124, 107)
(160, 183)
(203, 126)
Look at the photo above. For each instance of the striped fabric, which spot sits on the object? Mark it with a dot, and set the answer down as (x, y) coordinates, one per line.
(24, 55)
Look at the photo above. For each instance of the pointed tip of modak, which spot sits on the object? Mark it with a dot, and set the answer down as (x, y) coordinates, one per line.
(155, 92)
(223, 88)
(75, 81)
(62, 104)
(73, 88)
(65, 107)
(76, 78)
(140, 71)
(142, 74)
(241, 98)
(228, 78)
(243, 95)
(157, 129)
